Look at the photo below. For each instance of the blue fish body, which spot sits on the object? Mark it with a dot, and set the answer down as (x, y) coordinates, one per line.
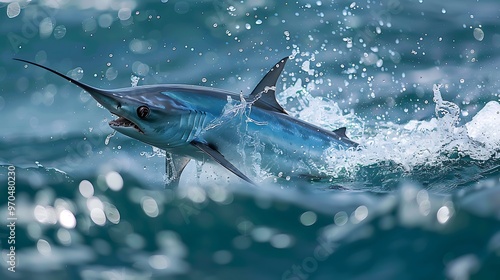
(247, 135)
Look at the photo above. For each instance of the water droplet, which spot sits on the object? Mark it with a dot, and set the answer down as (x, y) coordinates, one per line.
(44, 247)
(98, 217)
(45, 27)
(114, 180)
(86, 189)
(105, 20)
(13, 9)
(443, 214)
(478, 34)
(150, 206)
(124, 13)
(106, 142)
(340, 218)
(111, 73)
(308, 218)
(59, 31)
(67, 219)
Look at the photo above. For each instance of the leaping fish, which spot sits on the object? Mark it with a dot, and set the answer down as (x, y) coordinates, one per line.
(200, 123)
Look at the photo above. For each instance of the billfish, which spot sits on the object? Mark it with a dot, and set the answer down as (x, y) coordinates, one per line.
(249, 135)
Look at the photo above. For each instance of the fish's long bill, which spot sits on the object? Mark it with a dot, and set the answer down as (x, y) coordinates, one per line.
(106, 98)
(80, 84)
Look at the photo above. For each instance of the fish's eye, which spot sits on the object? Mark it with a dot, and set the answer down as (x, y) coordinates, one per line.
(143, 112)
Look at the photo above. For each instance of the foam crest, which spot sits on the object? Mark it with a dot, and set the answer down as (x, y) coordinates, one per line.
(484, 126)
(422, 145)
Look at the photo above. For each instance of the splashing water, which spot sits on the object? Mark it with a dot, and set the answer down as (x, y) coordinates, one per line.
(106, 142)
(484, 126)
(318, 110)
(134, 80)
(156, 152)
(425, 147)
(232, 109)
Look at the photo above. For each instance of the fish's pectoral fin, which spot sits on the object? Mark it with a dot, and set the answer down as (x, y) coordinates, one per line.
(174, 165)
(265, 91)
(219, 158)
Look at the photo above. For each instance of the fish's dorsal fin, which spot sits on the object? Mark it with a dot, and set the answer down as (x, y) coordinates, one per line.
(265, 91)
(174, 165)
(341, 132)
(219, 158)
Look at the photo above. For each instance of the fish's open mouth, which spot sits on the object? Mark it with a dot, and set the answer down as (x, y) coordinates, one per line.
(123, 122)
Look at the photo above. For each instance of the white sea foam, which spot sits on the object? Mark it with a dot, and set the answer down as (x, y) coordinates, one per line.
(484, 126)
(429, 143)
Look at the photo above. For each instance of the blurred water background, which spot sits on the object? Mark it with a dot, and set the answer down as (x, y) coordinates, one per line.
(415, 82)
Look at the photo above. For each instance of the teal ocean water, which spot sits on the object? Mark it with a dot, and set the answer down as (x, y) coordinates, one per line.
(415, 82)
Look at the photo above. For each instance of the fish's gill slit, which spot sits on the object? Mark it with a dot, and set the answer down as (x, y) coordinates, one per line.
(184, 127)
(196, 120)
